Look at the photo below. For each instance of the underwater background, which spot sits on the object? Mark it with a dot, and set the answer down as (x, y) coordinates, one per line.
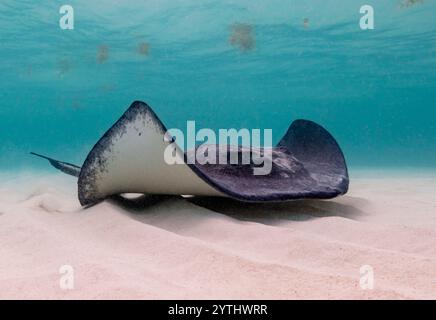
(224, 64)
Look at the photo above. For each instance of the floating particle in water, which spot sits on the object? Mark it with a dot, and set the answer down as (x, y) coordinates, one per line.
(242, 37)
(143, 49)
(102, 53)
(63, 66)
(409, 3)
(306, 22)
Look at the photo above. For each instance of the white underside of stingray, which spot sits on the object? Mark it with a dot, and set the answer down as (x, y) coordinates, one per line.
(133, 161)
(129, 158)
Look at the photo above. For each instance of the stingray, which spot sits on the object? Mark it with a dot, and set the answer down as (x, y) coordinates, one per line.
(307, 163)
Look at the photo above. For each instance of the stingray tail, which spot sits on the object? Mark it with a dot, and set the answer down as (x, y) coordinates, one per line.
(65, 167)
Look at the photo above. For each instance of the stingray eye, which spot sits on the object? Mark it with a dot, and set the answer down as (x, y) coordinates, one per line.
(173, 139)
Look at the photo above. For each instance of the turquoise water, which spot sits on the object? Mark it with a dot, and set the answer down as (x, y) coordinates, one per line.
(224, 64)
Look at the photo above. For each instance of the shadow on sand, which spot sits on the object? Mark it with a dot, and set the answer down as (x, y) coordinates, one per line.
(297, 210)
(267, 213)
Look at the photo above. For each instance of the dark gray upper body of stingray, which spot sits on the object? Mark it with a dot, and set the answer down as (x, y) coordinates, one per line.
(306, 163)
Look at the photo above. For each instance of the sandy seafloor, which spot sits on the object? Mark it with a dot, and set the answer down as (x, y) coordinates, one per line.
(220, 249)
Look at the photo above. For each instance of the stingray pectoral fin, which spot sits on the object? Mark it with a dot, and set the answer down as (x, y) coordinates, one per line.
(314, 146)
(65, 167)
(129, 158)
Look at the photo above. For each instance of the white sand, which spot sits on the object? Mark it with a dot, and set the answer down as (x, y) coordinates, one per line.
(220, 249)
